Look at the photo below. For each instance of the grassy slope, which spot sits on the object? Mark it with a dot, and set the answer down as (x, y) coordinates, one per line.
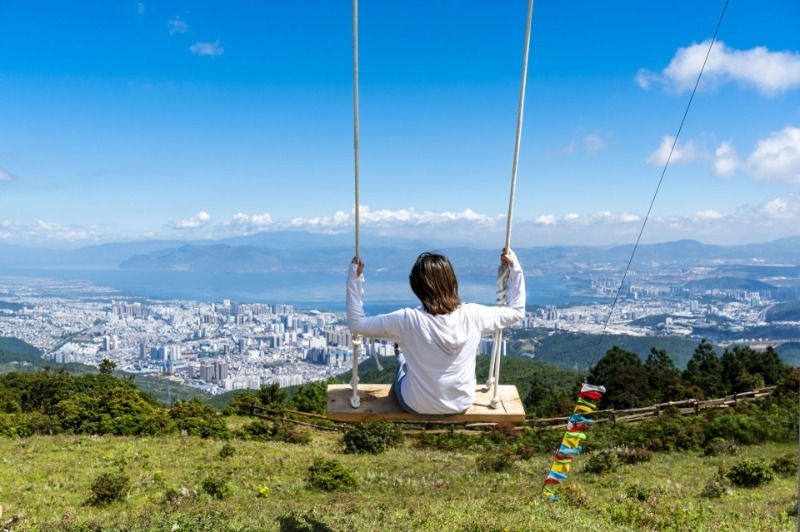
(46, 481)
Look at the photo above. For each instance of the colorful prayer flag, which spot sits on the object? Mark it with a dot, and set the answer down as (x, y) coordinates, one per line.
(574, 435)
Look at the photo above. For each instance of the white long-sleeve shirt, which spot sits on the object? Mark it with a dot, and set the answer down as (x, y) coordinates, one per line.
(439, 350)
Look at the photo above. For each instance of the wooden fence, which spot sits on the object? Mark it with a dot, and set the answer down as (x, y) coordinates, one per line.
(634, 415)
(628, 415)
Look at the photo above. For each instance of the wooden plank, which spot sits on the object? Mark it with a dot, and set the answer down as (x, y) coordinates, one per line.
(378, 405)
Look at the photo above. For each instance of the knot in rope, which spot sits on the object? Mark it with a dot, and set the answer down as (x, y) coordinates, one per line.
(503, 274)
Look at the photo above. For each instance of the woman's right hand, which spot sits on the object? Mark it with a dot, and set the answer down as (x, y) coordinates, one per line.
(360, 269)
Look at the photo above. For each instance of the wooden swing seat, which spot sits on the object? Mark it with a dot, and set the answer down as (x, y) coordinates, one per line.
(377, 404)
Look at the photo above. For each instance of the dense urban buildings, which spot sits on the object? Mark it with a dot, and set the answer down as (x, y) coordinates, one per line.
(220, 346)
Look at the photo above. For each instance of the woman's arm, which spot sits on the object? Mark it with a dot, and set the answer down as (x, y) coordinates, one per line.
(500, 317)
(387, 326)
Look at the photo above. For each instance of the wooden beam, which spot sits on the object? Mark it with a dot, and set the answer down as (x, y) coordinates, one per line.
(378, 405)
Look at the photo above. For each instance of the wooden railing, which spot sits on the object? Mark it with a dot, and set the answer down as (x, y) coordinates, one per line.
(628, 415)
(634, 415)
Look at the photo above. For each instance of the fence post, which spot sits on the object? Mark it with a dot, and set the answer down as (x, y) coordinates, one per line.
(658, 411)
(696, 406)
(734, 397)
(613, 416)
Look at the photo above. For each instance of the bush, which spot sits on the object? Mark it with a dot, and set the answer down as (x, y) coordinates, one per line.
(572, 494)
(503, 433)
(641, 493)
(329, 475)
(601, 462)
(634, 456)
(227, 450)
(276, 430)
(749, 474)
(241, 405)
(720, 446)
(291, 433)
(714, 489)
(216, 485)
(370, 438)
(456, 442)
(109, 487)
(494, 462)
(785, 465)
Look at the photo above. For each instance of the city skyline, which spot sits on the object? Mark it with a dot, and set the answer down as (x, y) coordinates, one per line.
(141, 120)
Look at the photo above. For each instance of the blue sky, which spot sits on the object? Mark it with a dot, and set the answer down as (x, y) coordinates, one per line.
(126, 120)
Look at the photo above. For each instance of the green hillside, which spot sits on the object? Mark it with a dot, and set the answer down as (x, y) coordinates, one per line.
(788, 311)
(16, 355)
(579, 351)
(729, 283)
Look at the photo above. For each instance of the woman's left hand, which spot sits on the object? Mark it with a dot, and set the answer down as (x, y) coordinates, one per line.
(360, 269)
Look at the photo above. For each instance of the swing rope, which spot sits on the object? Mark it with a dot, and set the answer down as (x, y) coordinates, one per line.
(503, 272)
(355, 400)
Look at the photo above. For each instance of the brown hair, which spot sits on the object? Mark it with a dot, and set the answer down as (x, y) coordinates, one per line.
(434, 282)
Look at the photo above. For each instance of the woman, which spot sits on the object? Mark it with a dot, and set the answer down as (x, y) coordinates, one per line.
(439, 340)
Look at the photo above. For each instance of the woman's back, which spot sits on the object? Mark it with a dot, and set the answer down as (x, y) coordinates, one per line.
(439, 349)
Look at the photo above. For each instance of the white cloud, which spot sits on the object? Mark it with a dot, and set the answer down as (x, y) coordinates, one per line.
(768, 72)
(682, 154)
(388, 221)
(777, 158)
(709, 214)
(546, 219)
(201, 219)
(249, 224)
(176, 25)
(211, 49)
(726, 161)
(569, 149)
(593, 144)
(5, 176)
(47, 226)
(50, 231)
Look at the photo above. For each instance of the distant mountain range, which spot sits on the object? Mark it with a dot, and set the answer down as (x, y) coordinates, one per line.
(303, 251)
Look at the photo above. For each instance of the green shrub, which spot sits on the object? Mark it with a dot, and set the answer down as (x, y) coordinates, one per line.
(494, 462)
(227, 451)
(749, 474)
(275, 430)
(503, 433)
(330, 475)
(241, 405)
(455, 442)
(204, 428)
(714, 489)
(109, 487)
(572, 494)
(259, 430)
(290, 433)
(601, 462)
(634, 456)
(785, 465)
(216, 485)
(370, 438)
(720, 446)
(641, 493)
(793, 509)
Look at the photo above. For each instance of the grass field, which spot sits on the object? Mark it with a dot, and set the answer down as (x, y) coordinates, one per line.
(45, 484)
